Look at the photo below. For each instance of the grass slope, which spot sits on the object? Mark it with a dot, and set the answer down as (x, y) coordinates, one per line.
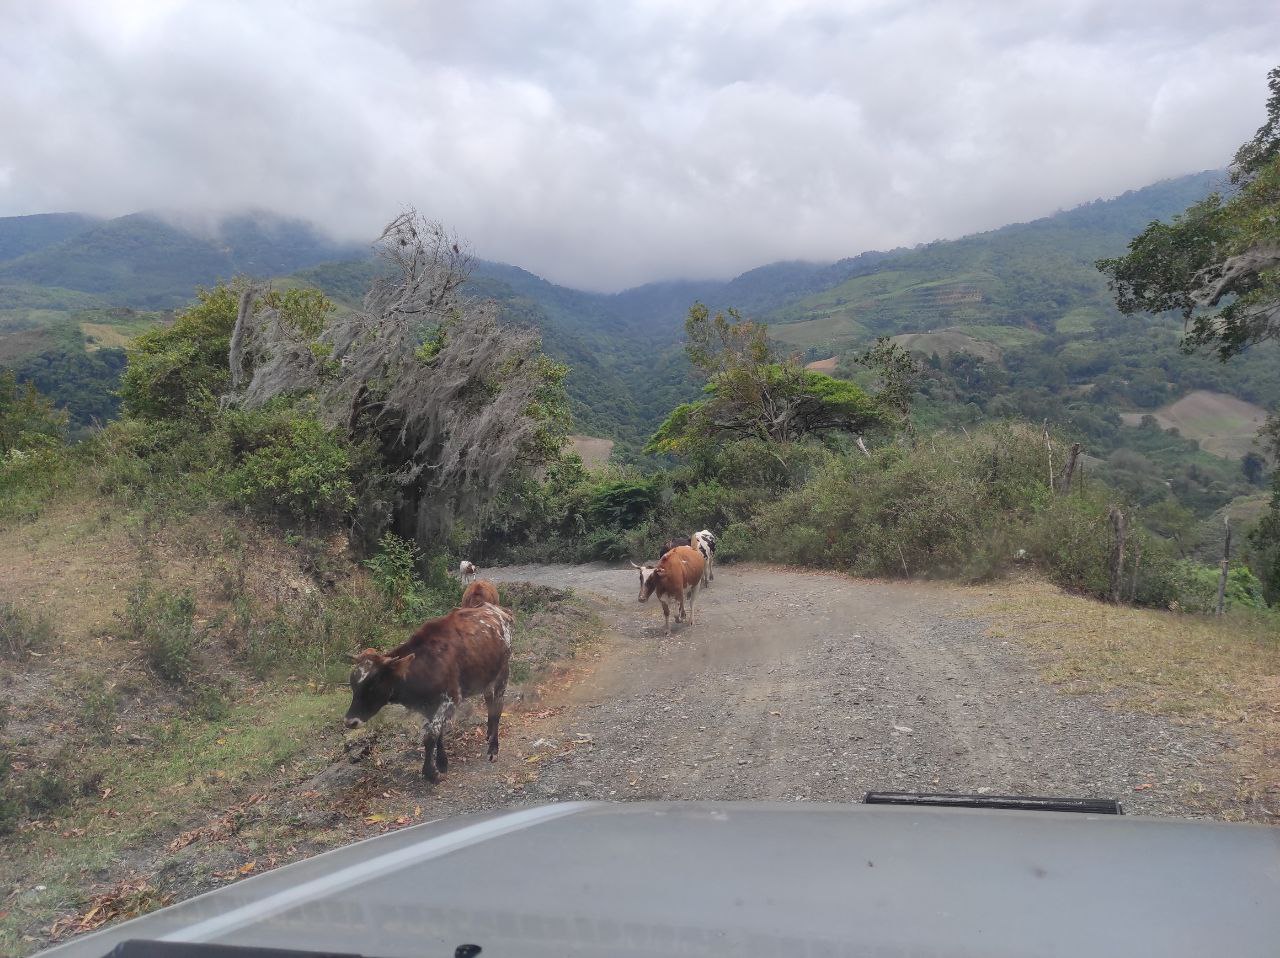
(135, 789)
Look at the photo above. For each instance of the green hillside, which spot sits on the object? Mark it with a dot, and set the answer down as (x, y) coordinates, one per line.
(1029, 275)
(143, 261)
(1043, 337)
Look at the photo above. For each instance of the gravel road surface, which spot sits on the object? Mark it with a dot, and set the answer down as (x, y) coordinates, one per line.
(812, 686)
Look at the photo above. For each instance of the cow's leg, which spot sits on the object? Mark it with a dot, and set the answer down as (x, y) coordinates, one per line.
(681, 617)
(666, 614)
(432, 735)
(442, 757)
(493, 700)
(693, 594)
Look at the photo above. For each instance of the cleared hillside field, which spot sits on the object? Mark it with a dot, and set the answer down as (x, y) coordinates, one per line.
(841, 327)
(944, 342)
(1223, 425)
(594, 451)
(24, 343)
(827, 365)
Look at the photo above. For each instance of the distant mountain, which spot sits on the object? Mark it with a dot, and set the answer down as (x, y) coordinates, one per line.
(1009, 288)
(144, 261)
(1027, 275)
(20, 235)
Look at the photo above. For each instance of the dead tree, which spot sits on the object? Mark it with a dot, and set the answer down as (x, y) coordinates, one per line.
(452, 400)
(1118, 528)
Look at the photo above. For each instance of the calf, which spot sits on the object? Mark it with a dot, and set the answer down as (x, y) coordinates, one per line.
(466, 570)
(676, 577)
(466, 652)
(478, 593)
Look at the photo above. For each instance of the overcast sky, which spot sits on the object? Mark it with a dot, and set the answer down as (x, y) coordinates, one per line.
(605, 144)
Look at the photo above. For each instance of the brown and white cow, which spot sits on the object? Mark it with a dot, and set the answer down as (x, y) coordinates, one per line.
(464, 653)
(467, 571)
(478, 593)
(675, 578)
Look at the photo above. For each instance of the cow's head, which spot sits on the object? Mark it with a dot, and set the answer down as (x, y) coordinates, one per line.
(650, 576)
(373, 678)
(708, 538)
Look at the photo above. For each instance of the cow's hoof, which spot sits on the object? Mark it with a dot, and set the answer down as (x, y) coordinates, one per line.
(442, 763)
(430, 775)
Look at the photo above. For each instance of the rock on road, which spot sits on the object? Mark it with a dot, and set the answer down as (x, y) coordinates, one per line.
(817, 687)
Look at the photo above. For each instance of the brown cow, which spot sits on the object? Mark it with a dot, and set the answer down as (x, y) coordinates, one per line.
(478, 593)
(466, 652)
(674, 544)
(677, 576)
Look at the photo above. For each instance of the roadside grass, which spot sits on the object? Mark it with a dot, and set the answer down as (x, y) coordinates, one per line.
(182, 771)
(169, 805)
(1188, 667)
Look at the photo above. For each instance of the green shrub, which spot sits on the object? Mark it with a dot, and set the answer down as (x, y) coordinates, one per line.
(98, 704)
(164, 623)
(27, 419)
(1195, 587)
(210, 703)
(22, 633)
(178, 372)
(1070, 538)
(413, 596)
(293, 465)
(947, 507)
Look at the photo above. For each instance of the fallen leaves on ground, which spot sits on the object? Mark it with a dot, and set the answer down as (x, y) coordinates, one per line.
(126, 900)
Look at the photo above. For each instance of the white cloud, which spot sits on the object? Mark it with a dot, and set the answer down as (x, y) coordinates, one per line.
(608, 144)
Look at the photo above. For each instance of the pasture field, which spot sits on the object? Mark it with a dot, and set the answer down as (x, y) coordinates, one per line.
(1223, 425)
(839, 327)
(944, 342)
(595, 452)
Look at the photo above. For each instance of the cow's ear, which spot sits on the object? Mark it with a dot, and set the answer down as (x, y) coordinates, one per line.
(401, 665)
(660, 571)
(353, 659)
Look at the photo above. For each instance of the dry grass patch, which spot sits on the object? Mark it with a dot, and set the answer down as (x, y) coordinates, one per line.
(1189, 667)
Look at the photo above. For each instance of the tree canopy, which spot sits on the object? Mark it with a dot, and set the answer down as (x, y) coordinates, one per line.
(750, 393)
(1218, 263)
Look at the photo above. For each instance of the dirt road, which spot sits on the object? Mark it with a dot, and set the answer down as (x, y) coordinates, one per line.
(812, 686)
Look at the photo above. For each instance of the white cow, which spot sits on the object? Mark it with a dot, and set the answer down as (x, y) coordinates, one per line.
(466, 571)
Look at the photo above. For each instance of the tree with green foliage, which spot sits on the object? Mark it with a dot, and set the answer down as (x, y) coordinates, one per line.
(27, 419)
(751, 393)
(1218, 263)
(179, 372)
